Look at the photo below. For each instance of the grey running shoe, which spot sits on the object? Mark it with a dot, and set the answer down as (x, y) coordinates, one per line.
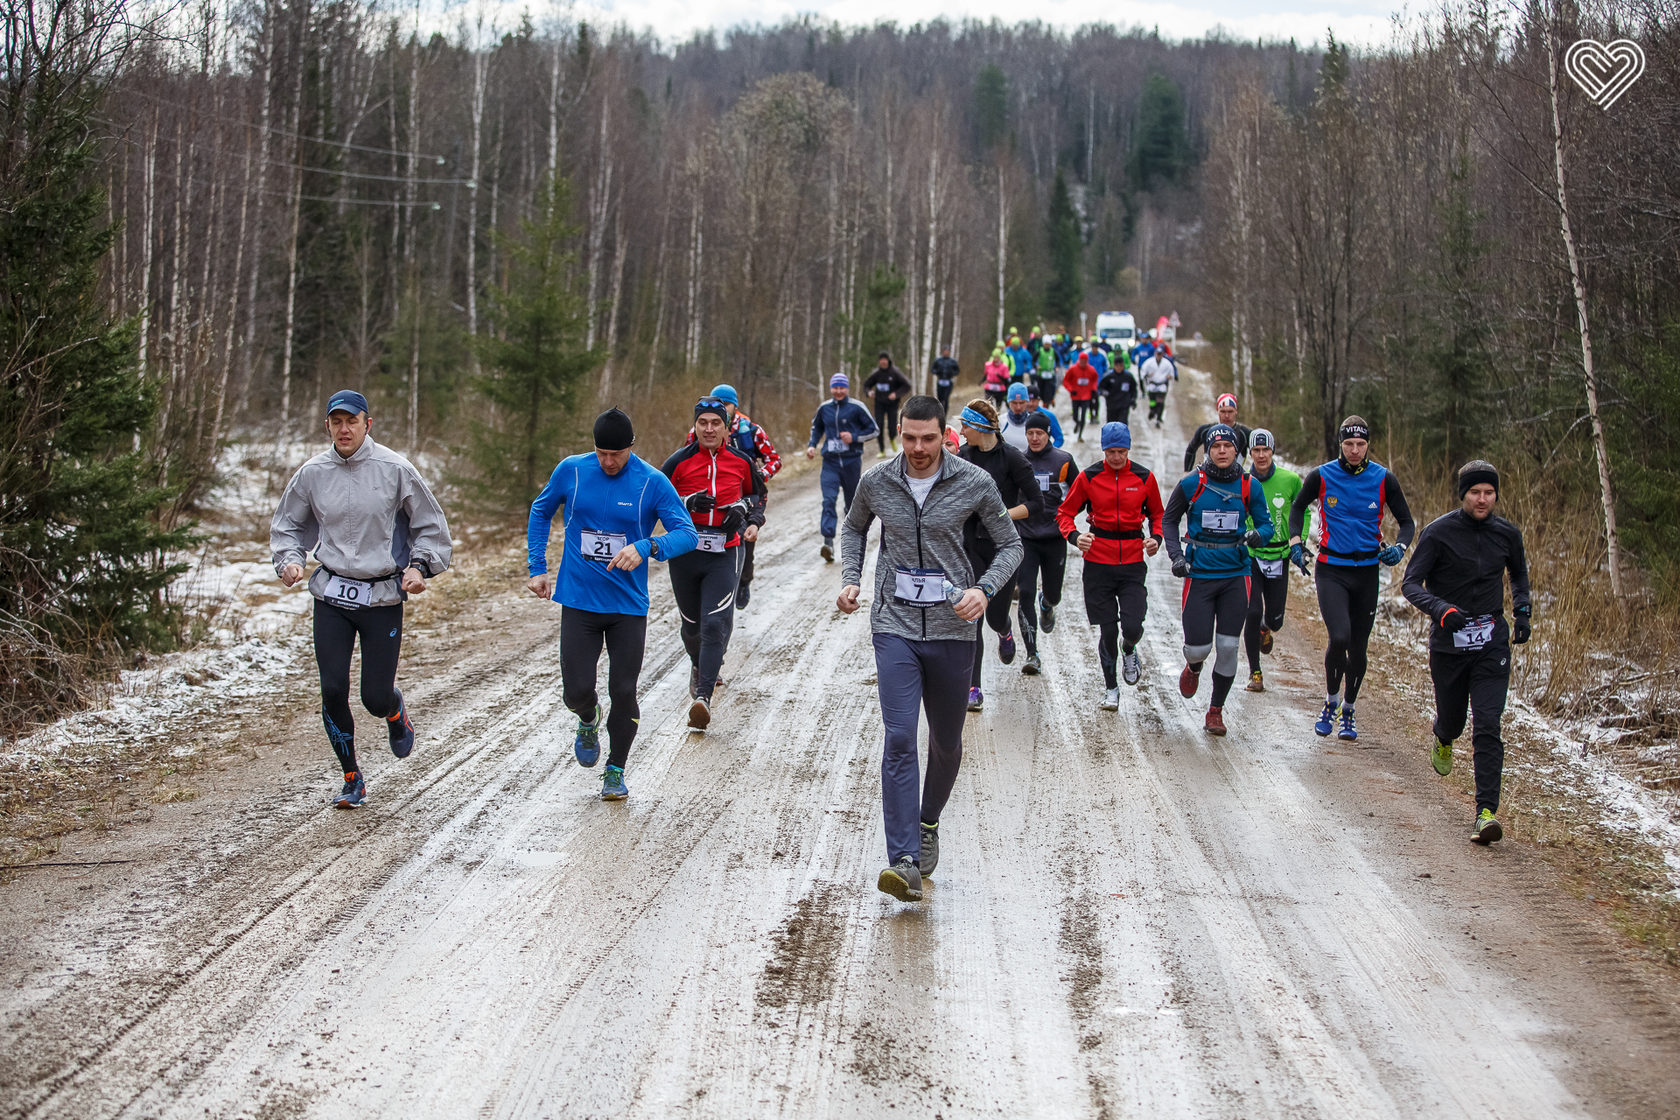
(1034, 666)
(1111, 700)
(1046, 614)
(902, 880)
(930, 849)
(1131, 670)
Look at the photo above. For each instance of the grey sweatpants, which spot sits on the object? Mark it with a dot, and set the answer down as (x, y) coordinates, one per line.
(933, 677)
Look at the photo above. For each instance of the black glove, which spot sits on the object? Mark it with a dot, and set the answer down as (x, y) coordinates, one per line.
(701, 501)
(1253, 539)
(1522, 625)
(734, 517)
(1453, 620)
(1298, 557)
(1181, 568)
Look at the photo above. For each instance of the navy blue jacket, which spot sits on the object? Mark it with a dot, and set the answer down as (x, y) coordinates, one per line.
(834, 417)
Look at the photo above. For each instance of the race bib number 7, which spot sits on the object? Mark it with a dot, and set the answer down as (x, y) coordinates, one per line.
(920, 587)
(601, 546)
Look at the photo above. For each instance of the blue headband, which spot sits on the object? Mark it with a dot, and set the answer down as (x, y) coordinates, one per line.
(977, 420)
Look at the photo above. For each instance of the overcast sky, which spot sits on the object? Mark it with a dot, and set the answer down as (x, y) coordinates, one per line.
(1354, 21)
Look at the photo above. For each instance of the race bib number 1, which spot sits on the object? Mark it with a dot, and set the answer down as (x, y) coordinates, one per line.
(1477, 633)
(1221, 520)
(601, 546)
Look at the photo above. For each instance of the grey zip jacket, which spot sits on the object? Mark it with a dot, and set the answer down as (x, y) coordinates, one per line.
(928, 537)
(367, 517)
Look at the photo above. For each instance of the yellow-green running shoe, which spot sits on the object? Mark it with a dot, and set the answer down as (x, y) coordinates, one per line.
(1441, 758)
(1486, 829)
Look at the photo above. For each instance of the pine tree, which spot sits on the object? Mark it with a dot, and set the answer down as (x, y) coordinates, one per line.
(881, 322)
(534, 358)
(1066, 290)
(1161, 154)
(991, 107)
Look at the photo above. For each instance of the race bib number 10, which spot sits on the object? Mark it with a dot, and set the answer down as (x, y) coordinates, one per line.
(347, 592)
(601, 546)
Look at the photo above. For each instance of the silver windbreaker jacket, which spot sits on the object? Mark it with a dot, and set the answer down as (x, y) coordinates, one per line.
(366, 517)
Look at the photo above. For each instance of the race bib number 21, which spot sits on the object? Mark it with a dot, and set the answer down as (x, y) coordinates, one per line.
(601, 546)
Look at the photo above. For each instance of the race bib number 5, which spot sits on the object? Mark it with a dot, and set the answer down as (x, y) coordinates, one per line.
(601, 546)
(710, 542)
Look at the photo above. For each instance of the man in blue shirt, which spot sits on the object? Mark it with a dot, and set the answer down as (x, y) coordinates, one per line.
(839, 430)
(611, 500)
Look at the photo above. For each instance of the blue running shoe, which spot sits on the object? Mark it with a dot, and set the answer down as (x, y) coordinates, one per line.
(400, 730)
(612, 784)
(587, 745)
(1348, 732)
(354, 793)
(1327, 718)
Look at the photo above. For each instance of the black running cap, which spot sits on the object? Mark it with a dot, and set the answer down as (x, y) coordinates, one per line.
(613, 431)
(1474, 473)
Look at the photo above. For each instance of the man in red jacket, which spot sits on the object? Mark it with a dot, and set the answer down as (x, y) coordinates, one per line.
(724, 493)
(1081, 384)
(1117, 495)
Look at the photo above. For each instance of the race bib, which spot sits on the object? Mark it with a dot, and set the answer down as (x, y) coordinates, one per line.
(351, 593)
(943, 382)
(1271, 569)
(601, 546)
(919, 587)
(711, 541)
(1477, 633)
(1044, 478)
(1221, 520)
(835, 446)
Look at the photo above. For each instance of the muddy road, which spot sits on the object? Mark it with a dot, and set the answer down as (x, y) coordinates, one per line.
(1129, 918)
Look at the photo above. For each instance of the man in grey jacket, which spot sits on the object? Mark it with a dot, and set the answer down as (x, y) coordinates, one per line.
(378, 536)
(926, 600)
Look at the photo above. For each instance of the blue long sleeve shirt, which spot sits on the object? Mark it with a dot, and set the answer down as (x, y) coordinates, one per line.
(834, 417)
(603, 513)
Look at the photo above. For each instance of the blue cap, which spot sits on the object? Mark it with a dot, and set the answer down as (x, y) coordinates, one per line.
(347, 400)
(1017, 392)
(839, 381)
(726, 393)
(1116, 434)
(1220, 432)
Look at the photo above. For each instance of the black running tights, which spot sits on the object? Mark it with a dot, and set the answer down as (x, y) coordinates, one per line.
(335, 637)
(704, 585)
(1267, 597)
(1347, 598)
(1041, 554)
(582, 636)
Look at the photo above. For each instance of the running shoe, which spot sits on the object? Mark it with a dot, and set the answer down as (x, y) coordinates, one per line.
(400, 729)
(930, 849)
(587, 745)
(1110, 700)
(1046, 614)
(693, 681)
(1215, 722)
(1327, 718)
(1187, 682)
(902, 880)
(1033, 667)
(1256, 682)
(1486, 829)
(354, 793)
(612, 784)
(1006, 648)
(1440, 757)
(828, 549)
(976, 700)
(699, 714)
(743, 593)
(1131, 671)
(1349, 732)
(1265, 640)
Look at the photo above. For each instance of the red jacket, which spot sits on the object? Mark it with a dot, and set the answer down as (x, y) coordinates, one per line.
(1081, 380)
(1118, 502)
(728, 475)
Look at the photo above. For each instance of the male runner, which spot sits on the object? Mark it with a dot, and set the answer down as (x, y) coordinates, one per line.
(1218, 499)
(1457, 578)
(1044, 549)
(923, 636)
(1351, 491)
(724, 495)
(1227, 409)
(839, 429)
(1081, 384)
(1268, 589)
(751, 440)
(611, 499)
(885, 386)
(945, 371)
(1119, 389)
(1044, 360)
(378, 535)
(1012, 423)
(1118, 496)
(1157, 372)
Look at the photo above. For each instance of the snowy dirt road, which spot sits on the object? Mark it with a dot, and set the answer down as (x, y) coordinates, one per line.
(1129, 918)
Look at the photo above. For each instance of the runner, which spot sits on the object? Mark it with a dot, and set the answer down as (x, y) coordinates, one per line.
(839, 428)
(886, 386)
(1020, 359)
(1457, 578)
(1019, 489)
(1117, 496)
(1268, 587)
(724, 495)
(1227, 409)
(945, 371)
(378, 535)
(1157, 372)
(1119, 389)
(1044, 549)
(1013, 423)
(611, 499)
(752, 441)
(1217, 498)
(1045, 363)
(926, 606)
(1081, 384)
(997, 375)
(1351, 491)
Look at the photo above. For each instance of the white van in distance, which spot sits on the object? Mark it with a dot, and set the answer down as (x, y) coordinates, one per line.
(1117, 328)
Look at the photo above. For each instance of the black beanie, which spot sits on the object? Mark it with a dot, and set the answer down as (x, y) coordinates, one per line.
(1474, 473)
(1039, 419)
(613, 431)
(712, 405)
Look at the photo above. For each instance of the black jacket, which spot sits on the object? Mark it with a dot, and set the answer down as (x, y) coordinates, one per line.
(1190, 455)
(945, 370)
(881, 382)
(1016, 483)
(1460, 563)
(1120, 386)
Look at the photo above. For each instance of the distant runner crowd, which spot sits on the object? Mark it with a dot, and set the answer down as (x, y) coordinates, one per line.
(979, 515)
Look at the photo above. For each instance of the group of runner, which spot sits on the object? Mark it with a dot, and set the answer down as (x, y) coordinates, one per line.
(968, 527)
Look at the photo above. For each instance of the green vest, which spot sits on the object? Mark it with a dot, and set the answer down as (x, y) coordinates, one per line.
(1280, 490)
